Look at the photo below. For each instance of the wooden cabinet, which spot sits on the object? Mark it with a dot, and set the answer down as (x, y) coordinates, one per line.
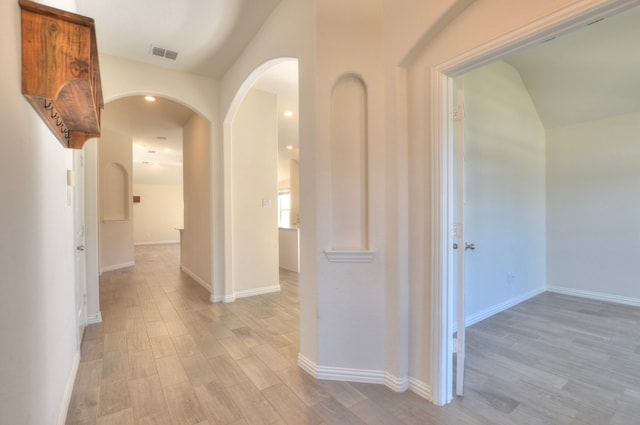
(61, 72)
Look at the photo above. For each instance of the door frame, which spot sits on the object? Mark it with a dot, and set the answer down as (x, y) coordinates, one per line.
(442, 143)
(76, 180)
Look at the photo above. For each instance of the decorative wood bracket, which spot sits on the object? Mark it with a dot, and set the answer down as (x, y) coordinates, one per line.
(61, 72)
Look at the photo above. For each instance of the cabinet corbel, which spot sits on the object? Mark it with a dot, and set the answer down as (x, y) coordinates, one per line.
(61, 72)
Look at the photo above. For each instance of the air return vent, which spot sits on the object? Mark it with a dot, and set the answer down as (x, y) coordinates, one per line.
(163, 53)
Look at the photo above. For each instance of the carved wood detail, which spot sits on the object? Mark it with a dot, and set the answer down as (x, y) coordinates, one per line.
(61, 72)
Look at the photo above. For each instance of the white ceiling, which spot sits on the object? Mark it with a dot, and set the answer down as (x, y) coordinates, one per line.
(207, 34)
(585, 75)
(589, 74)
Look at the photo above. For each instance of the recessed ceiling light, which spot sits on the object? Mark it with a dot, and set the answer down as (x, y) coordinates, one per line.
(150, 98)
(167, 150)
(288, 113)
(289, 147)
(156, 164)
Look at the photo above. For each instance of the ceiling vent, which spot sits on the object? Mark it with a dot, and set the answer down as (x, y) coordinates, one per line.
(163, 53)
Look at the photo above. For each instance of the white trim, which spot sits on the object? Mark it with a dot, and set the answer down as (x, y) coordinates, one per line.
(171, 242)
(441, 359)
(495, 309)
(117, 267)
(562, 20)
(256, 291)
(195, 277)
(420, 388)
(307, 365)
(222, 298)
(350, 375)
(63, 410)
(363, 375)
(94, 319)
(349, 256)
(398, 385)
(599, 296)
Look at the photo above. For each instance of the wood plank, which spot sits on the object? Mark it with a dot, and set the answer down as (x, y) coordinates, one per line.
(217, 404)
(258, 372)
(290, 407)
(255, 408)
(146, 396)
(227, 370)
(198, 370)
(171, 371)
(183, 404)
(114, 397)
(141, 364)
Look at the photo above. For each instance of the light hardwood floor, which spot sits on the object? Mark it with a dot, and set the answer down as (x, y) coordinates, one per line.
(165, 355)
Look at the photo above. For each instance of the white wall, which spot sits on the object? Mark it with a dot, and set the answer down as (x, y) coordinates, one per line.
(254, 153)
(504, 191)
(352, 303)
(37, 305)
(593, 233)
(288, 241)
(196, 239)
(115, 200)
(158, 214)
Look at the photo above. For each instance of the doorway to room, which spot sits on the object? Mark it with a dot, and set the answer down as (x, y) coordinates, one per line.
(447, 187)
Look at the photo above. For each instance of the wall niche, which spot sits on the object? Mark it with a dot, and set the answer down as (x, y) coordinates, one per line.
(115, 193)
(349, 167)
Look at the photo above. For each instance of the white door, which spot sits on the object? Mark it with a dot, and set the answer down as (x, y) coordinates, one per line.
(77, 182)
(460, 244)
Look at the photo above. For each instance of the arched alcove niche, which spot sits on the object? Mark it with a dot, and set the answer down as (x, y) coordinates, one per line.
(349, 165)
(115, 192)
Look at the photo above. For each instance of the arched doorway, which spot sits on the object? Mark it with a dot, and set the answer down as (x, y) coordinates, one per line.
(260, 130)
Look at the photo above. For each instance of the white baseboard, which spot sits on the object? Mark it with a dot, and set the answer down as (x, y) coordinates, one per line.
(94, 319)
(365, 376)
(599, 296)
(157, 243)
(420, 388)
(486, 313)
(117, 266)
(222, 298)
(244, 294)
(197, 278)
(257, 291)
(63, 410)
(307, 365)
(398, 385)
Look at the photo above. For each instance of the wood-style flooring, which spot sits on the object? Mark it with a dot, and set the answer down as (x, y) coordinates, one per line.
(165, 355)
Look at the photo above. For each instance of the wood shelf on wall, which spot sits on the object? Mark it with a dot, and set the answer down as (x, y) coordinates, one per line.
(61, 72)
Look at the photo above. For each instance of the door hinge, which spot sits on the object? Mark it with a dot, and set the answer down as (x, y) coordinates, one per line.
(457, 230)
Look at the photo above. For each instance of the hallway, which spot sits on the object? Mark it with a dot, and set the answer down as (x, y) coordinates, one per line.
(164, 355)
